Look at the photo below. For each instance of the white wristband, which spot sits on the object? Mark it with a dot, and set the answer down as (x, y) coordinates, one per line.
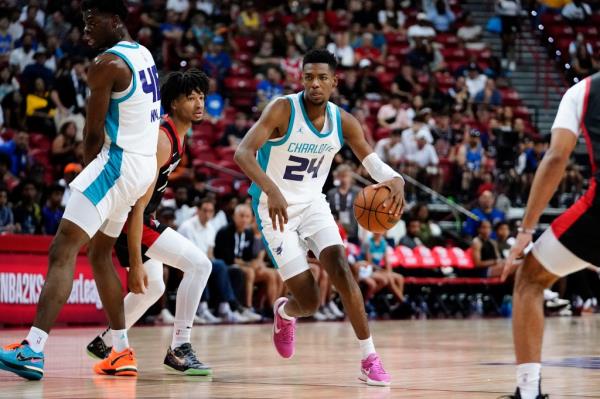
(379, 170)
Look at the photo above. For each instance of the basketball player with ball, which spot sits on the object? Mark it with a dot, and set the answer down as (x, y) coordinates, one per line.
(288, 154)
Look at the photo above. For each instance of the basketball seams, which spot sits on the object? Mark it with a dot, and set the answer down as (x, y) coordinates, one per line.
(362, 192)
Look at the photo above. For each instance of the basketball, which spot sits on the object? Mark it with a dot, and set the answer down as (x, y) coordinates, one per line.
(369, 210)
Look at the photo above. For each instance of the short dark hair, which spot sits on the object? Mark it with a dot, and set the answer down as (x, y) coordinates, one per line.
(500, 224)
(115, 7)
(182, 84)
(320, 56)
(205, 200)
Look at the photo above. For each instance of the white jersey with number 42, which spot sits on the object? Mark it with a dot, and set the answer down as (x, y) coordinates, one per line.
(300, 161)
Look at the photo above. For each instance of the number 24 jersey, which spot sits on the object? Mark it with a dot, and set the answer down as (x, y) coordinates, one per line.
(299, 162)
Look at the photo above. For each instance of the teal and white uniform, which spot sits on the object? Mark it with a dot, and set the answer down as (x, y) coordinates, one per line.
(299, 164)
(126, 165)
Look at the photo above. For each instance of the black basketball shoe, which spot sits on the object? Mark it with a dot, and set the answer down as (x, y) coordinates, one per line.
(183, 360)
(517, 395)
(97, 349)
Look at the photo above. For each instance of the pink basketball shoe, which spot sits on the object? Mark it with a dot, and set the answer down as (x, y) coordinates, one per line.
(283, 331)
(372, 372)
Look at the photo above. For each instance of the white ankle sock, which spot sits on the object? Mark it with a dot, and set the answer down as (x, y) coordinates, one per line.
(366, 347)
(119, 340)
(528, 379)
(37, 339)
(181, 334)
(284, 315)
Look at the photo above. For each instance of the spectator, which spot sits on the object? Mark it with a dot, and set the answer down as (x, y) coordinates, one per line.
(53, 211)
(475, 80)
(486, 257)
(351, 88)
(40, 110)
(391, 18)
(510, 14)
(28, 214)
(376, 272)
(430, 233)
(409, 136)
(235, 132)
(584, 64)
(234, 245)
(181, 7)
(425, 56)
(390, 149)
(180, 204)
(63, 145)
(423, 161)
(69, 174)
(17, 150)
(341, 200)
(412, 239)
(70, 89)
(486, 211)
(405, 83)
(56, 25)
(489, 95)
(503, 241)
(7, 221)
(471, 158)
(576, 11)
(269, 88)
(441, 16)
(73, 44)
(8, 82)
(265, 58)
(421, 30)
(216, 60)
(249, 21)
(22, 56)
(470, 33)
(342, 50)
(6, 39)
(291, 66)
(395, 114)
(214, 103)
(367, 50)
(15, 28)
(369, 84)
(460, 94)
(219, 290)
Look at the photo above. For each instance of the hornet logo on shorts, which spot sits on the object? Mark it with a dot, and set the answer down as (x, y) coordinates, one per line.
(279, 249)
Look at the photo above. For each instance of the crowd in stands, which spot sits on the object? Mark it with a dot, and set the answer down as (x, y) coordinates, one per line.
(432, 99)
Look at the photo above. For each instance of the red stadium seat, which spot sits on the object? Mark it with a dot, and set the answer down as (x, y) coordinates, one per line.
(237, 83)
(223, 186)
(246, 44)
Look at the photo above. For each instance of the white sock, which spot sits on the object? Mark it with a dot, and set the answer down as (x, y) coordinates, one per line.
(181, 334)
(366, 347)
(37, 339)
(284, 315)
(224, 308)
(528, 379)
(119, 339)
(106, 336)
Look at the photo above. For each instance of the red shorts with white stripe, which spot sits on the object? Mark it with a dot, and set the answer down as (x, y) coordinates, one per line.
(573, 240)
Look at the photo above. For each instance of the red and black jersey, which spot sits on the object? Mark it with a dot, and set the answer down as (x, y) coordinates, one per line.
(167, 127)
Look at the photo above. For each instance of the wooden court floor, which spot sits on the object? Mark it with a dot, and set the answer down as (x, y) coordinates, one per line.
(427, 359)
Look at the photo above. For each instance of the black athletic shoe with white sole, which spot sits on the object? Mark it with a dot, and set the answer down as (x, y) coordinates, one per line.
(97, 349)
(183, 360)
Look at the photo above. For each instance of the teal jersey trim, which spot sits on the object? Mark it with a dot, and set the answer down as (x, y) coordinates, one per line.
(265, 151)
(133, 74)
(308, 121)
(134, 45)
(339, 125)
(111, 121)
(260, 228)
(108, 177)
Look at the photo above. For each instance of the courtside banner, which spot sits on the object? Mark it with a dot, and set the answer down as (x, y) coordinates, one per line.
(22, 277)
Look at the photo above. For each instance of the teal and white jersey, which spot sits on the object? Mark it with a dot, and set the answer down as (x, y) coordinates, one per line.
(133, 115)
(300, 161)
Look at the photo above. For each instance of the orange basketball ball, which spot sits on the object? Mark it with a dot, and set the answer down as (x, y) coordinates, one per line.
(369, 210)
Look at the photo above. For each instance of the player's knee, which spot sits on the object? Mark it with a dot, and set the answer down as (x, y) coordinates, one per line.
(62, 249)
(532, 276)
(155, 289)
(340, 272)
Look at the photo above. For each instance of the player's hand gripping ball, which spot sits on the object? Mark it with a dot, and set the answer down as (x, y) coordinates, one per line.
(370, 212)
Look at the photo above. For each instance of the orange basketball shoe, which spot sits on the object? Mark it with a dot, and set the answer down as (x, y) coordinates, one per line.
(119, 364)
